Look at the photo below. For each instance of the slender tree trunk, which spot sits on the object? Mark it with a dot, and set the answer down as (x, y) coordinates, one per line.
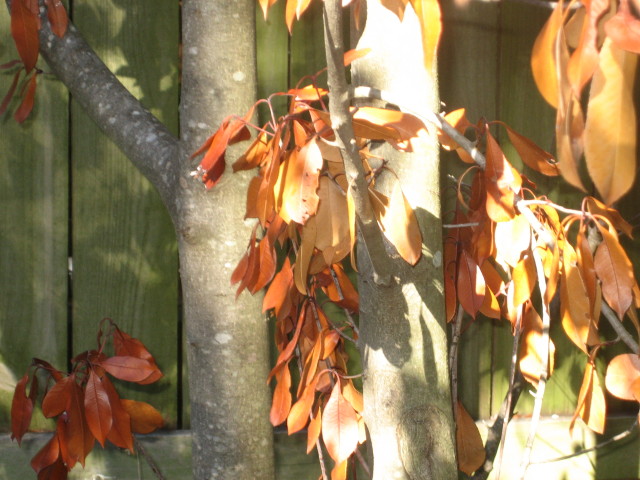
(227, 340)
(402, 326)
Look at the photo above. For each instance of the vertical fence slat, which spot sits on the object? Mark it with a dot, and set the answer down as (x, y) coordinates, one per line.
(33, 231)
(124, 249)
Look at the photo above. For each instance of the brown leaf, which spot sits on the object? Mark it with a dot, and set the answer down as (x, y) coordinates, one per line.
(97, 408)
(531, 154)
(623, 375)
(313, 431)
(596, 207)
(21, 410)
(332, 239)
(395, 6)
(144, 417)
(75, 437)
(458, 120)
(524, 279)
(502, 183)
(58, 397)
(47, 455)
(339, 426)
(574, 301)
(279, 288)
(471, 453)
(615, 271)
(301, 268)
(533, 347)
(24, 30)
(610, 130)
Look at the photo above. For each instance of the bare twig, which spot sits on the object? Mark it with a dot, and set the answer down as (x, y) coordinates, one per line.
(544, 368)
(625, 336)
(148, 458)
(453, 359)
(341, 124)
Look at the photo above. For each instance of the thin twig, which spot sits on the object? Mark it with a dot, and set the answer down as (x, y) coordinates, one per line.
(625, 336)
(460, 225)
(363, 463)
(148, 458)
(544, 368)
(615, 438)
(453, 360)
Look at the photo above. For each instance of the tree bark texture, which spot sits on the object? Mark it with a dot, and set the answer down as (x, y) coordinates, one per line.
(402, 326)
(227, 340)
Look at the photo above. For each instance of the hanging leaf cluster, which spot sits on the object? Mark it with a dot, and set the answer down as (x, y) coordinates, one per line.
(85, 403)
(25, 27)
(596, 42)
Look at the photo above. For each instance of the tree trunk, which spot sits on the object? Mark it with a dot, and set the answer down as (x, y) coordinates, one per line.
(402, 326)
(227, 340)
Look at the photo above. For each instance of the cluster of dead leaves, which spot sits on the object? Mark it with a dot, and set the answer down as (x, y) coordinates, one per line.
(596, 42)
(25, 25)
(85, 403)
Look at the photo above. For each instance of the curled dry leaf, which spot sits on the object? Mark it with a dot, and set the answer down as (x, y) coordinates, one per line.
(281, 403)
(339, 426)
(533, 346)
(470, 284)
(144, 417)
(623, 377)
(21, 410)
(591, 402)
(543, 59)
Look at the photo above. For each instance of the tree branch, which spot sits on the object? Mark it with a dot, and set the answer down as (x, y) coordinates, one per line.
(339, 102)
(137, 132)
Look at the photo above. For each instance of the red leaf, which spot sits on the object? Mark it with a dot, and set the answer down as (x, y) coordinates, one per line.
(76, 440)
(97, 408)
(130, 369)
(299, 413)
(144, 417)
(12, 89)
(126, 345)
(47, 455)
(56, 471)
(24, 30)
(120, 434)
(21, 410)
(279, 288)
(339, 426)
(26, 106)
(57, 399)
(57, 16)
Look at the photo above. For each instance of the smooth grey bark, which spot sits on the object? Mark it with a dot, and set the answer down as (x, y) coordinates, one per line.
(227, 341)
(403, 338)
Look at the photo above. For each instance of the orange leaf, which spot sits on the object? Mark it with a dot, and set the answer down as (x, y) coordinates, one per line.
(533, 346)
(398, 222)
(615, 271)
(396, 6)
(524, 279)
(299, 183)
(265, 5)
(623, 377)
(531, 154)
(470, 284)
(313, 432)
(76, 439)
(57, 399)
(513, 237)
(281, 403)
(591, 402)
(429, 15)
(21, 410)
(339, 471)
(339, 426)
(624, 28)
(351, 55)
(610, 130)
(57, 16)
(458, 120)
(471, 453)
(144, 417)
(301, 268)
(26, 106)
(333, 238)
(279, 288)
(97, 408)
(543, 59)
(120, 434)
(299, 413)
(596, 207)
(575, 306)
(502, 183)
(24, 30)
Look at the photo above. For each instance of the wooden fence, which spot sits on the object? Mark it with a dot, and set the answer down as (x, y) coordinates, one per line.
(83, 236)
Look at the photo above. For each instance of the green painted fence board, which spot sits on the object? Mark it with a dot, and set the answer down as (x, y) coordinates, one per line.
(124, 249)
(33, 230)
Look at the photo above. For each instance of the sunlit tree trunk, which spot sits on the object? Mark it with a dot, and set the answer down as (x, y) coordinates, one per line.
(402, 326)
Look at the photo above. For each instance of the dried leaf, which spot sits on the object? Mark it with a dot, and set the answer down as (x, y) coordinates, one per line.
(502, 183)
(307, 243)
(57, 398)
(144, 417)
(596, 207)
(574, 300)
(610, 130)
(130, 369)
(524, 279)
(471, 453)
(333, 238)
(531, 154)
(339, 426)
(281, 403)
(352, 55)
(313, 431)
(21, 410)
(299, 413)
(429, 15)
(74, 435)
(279, 288)
(624, 28)
(97, 408)
(24, 30)
(543, 58)
(47, 455)
(26, 106)
(395, 6)
(120, 434)
(532, 348)
(513, 237)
